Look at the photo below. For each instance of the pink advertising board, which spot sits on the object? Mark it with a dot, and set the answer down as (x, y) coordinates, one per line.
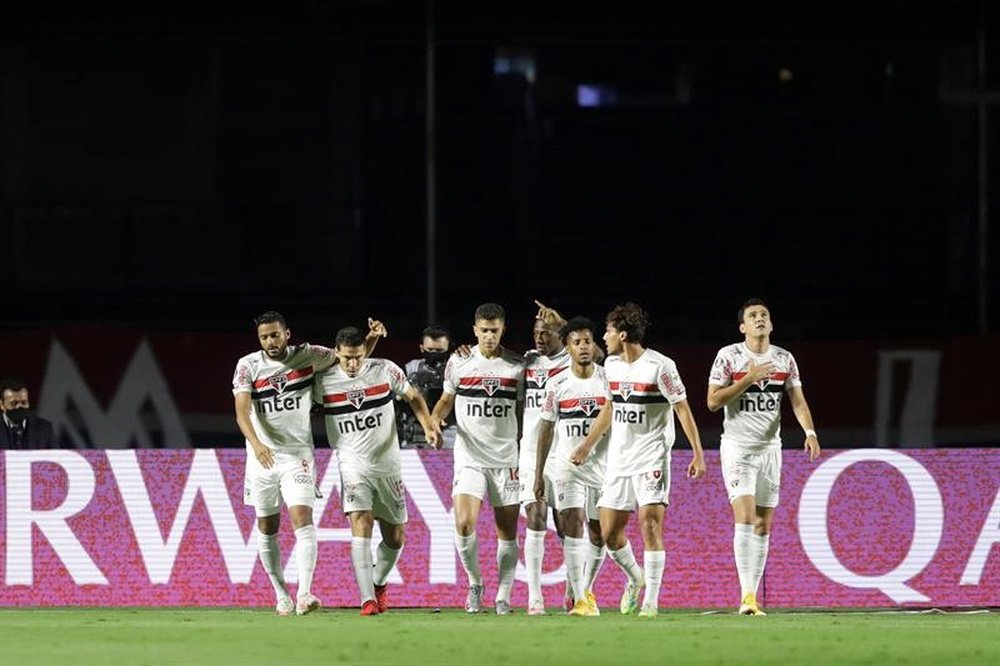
(858, 528)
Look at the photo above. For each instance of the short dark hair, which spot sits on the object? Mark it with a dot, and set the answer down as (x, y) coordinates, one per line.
(14, 384)
(750, 302)
(435, 331)
(270, 317)
(576, 324)
(631, 319)
(350, 336)
(489, 311)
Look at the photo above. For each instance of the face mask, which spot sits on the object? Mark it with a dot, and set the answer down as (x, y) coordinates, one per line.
(435, 357)
(18, 414)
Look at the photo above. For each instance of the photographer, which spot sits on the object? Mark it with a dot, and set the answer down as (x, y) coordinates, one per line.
(426, 374)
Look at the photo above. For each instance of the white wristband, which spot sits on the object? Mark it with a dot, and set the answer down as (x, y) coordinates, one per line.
(811, 433)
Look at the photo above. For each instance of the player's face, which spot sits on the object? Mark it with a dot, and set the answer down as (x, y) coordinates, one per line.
(434, 344)
(614, 339)
(15, 399)
(756, 322)
(581, 347)
(351, 359)
(546, 340)
(273, 339)
(488, 333)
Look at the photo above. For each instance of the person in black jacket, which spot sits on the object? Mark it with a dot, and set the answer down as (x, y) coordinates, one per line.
(19, 427)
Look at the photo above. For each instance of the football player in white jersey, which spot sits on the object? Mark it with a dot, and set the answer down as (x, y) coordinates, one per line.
(357, 399)
(572, 402)
(644, 392)
(748, 379)
(547, 360)
(486, 390)
(272, 389)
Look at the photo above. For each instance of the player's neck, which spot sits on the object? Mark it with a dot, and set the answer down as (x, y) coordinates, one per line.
(757, 344)
(583, 371)
(496, 352)
(631, 351)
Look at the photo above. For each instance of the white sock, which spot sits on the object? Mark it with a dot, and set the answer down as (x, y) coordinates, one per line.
(534, 553)
(625, 558)
(270, 558)
(384, 562)
(468, 552)
(758, 558)
(594, 563)
(652, 564)
(305, 549)
(576, 560)
(361, 559)
(743, 553)
(506, 568)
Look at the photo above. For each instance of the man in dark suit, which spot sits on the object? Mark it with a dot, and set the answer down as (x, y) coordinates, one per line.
(19, 428)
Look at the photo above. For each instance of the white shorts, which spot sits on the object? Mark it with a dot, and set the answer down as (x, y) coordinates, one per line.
(752, 472)
(574, 494)
(292, 478)
(625, 493)
(384, 496)
(501, 484)
(527, 489)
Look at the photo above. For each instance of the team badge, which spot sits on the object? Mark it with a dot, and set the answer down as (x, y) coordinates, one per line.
(278, 382)
(491, 384)
(625, 388)
(356, 397)
(588, 405)
(541, 376)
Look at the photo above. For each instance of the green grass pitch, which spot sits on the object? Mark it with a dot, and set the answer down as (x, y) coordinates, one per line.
(242, 637)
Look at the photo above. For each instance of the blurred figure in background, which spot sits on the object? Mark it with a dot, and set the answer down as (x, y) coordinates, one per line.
(426, 375)
(19, 427)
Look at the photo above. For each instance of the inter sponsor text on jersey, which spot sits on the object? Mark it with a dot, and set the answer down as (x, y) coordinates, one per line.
(754, 419)
(642, 427)
(573, 403)
(360, 415)
(280, 393)
(539, 370)
(486, 393)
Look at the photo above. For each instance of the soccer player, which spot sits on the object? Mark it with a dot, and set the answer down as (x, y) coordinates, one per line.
(644, 391)
(748, 379)
(357, 398)
(486, 390)
(272, 389)
(547, 360)
(572, 402)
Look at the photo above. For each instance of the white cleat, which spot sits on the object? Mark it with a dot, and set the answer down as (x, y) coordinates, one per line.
(285, 607)
(503, 607)
(536, 607)
(474, 600)
(307, 604)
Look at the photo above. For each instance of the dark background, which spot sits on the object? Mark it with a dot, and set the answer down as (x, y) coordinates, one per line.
(189, 166)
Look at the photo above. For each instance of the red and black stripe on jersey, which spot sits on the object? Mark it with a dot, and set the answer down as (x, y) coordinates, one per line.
(358, 400)
(571, 408)
(296, 380)
(636, 393)
(488, 387)
(775, 383)
(537, 378)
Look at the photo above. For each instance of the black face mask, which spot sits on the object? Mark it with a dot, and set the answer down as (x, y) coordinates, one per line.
(435, 357)
(18, 414)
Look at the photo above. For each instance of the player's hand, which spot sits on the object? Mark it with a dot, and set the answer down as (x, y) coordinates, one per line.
(465, 351)
(264, 456)
(696, 468)
(579, 455)
(377, 329)
(539, 488)
(812, 447)
(433, 436)
(549, 315)
(758, 372)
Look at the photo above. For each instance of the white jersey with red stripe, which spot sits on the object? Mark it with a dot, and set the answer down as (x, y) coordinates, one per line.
(486, 392)
(573, 403)
(539, 370)
(643, 394)
(280, 393)
(753, 421)
(360, 416)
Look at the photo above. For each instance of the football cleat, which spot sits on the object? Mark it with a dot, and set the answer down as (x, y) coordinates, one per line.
(648, 611)
(630, 598)
(503, 607)
(285, 607)
(307, 604)
(536, 607)
(582, 608)
(370, 607)
(382, 598)
(592, 602)
(749, 605)
(474, 600)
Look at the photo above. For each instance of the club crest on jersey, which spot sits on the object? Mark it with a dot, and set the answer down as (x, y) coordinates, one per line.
(540, 377)
(356, 397)
(762, 383)
(278, 382)
(588, 405)
(625, 388)
(491, 384)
